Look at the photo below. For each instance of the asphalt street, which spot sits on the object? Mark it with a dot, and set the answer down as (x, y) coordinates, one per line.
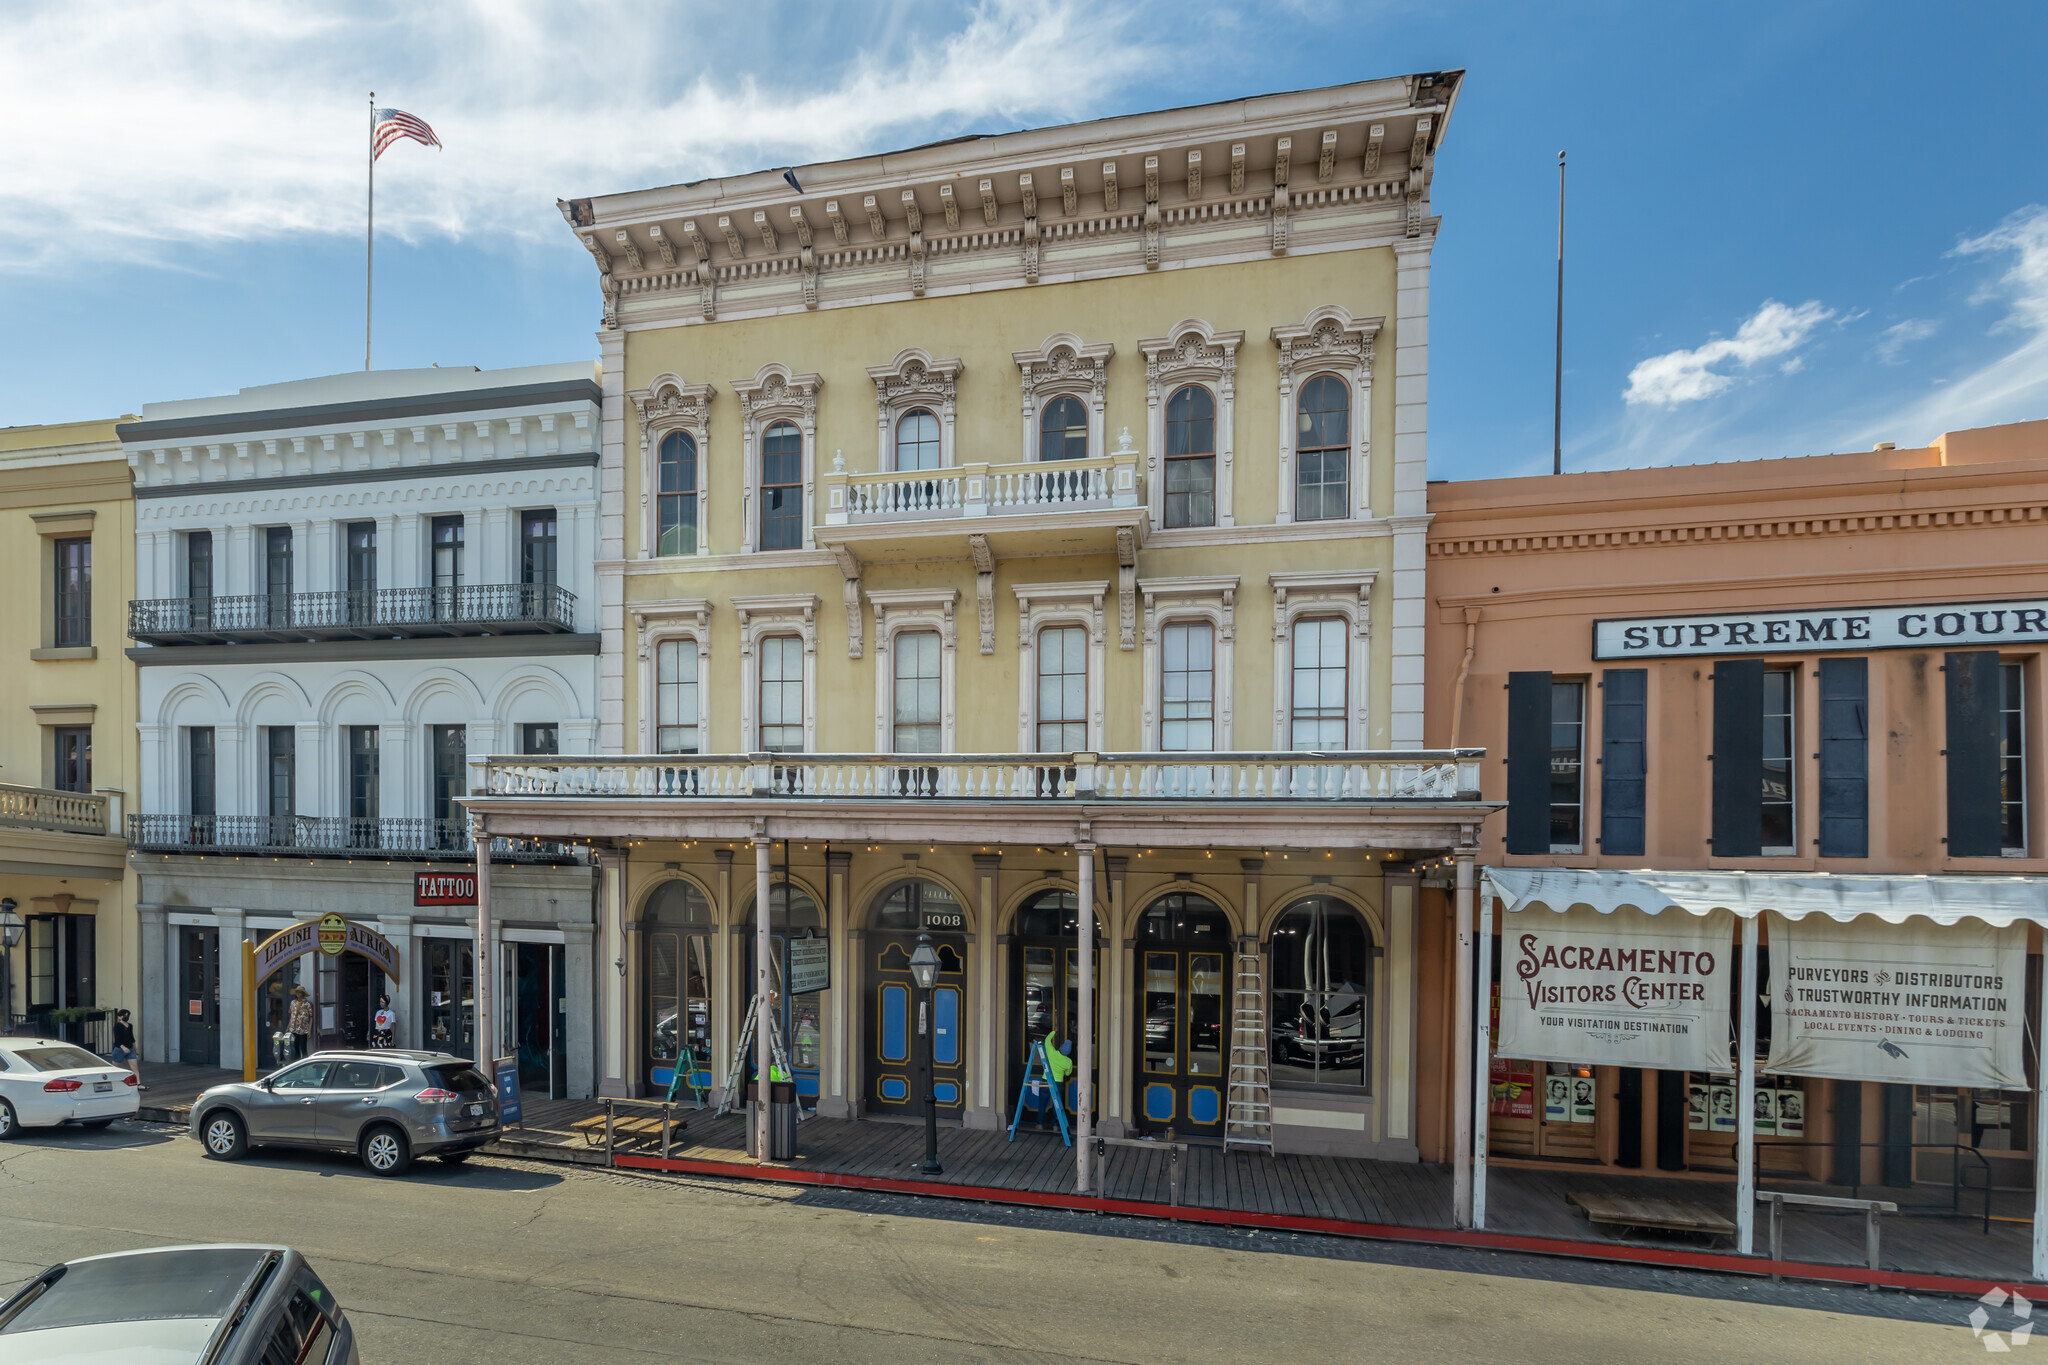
(512, 1262)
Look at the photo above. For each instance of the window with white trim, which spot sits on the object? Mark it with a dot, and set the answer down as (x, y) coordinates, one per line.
(1191, 458)
(917, 441)
(782, 694)
(918, 726)
(1187, 686)
(1321, 683)
(676, 517)
(1780, 804)
(675, 693)
(1323, 452)
(782, 487)
(1063, 429)
(1062, 689)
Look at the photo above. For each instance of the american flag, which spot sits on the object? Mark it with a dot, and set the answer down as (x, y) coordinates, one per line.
(393, 124)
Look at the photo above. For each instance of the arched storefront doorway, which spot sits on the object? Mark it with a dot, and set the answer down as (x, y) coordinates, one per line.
(1182, 969)
(791, 915)
(344, 966)
(894, 1081)
(1321, 991)
(1045, 985)
(680, 941)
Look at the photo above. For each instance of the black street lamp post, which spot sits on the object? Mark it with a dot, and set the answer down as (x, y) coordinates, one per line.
(924, 970)
(10, 934)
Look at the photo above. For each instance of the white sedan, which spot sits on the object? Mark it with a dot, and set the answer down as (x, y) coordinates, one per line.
(44, 1083)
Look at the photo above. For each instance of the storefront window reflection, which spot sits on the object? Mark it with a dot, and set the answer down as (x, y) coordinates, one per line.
(1321, 995)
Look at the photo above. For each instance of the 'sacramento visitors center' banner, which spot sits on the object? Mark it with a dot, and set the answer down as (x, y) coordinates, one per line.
(1908, 1003)
(1620, 989)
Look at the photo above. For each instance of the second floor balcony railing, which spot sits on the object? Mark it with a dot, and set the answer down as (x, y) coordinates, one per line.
(356, 614)
(1393, 776)
(982, 490)
(48, 808)
(328, 836)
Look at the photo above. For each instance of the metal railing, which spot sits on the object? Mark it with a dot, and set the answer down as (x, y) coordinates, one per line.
(48, 808)
(1957, 1183)
(91, 1029)
(329, 836)
(367, 613)
(1407, 775)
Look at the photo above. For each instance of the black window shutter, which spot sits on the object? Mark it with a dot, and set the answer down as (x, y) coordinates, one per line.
(1848, 1112)
(1738, 758)
(1528, 763)
(1973, 754)
(1624, 727)
(1845, 758)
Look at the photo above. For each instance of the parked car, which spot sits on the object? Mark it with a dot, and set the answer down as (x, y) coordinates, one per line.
(385, 1106)
(45, 1083)
(212, 1305)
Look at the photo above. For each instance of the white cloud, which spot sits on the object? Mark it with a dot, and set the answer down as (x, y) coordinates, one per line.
(1892, 342)
(146, 123)
(1688, 376)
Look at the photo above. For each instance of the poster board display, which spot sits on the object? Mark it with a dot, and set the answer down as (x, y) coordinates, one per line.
(1913, 1003)
(1620, 989)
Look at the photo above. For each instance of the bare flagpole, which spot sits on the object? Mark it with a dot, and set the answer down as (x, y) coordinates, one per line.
(1557, 393)
(370, 233)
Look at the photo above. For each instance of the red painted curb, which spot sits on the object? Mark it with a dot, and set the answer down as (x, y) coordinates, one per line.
(1386, 1232)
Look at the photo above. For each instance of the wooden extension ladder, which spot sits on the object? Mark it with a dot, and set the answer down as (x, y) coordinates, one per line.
(1248, 1116)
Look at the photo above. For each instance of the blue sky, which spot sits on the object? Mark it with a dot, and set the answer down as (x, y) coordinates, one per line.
(1792, 228)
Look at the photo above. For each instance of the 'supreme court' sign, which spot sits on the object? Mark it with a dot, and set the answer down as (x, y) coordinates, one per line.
(1940, 625)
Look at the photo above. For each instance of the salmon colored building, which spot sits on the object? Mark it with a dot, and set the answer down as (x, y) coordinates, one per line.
(1825, 674)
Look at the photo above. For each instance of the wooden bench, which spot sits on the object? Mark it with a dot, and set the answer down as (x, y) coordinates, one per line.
(1662, 1215)
(1870, 1209)
(607, 1129)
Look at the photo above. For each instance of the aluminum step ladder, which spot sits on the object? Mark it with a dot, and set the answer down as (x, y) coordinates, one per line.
(1248, 1111)
(734, 1096)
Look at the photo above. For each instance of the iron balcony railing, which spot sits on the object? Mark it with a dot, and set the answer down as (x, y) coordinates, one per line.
(48, 808)
(328, 836)
(1407, 775)
(356, 614)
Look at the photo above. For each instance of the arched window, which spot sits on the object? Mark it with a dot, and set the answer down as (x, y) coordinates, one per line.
(1191, 457)
(1322, 994)
(1063, 430)
(917, 440)
(782, 487)
(910, 906)
(677, 482)
(1184, 916)
(682, 939)
(1322, 450)
(1051, 914)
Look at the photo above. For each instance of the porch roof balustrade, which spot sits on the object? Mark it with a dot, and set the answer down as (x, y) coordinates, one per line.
(898, 513)
(1397, 798)
(50, 809)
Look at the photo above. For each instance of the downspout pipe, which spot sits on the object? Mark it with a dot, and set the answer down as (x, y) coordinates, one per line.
(1464, 670)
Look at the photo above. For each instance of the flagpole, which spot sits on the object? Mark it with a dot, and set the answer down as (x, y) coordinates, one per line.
(1557, 392)
(370, 232)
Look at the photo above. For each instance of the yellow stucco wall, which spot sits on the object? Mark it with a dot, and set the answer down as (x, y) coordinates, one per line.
(983, 330)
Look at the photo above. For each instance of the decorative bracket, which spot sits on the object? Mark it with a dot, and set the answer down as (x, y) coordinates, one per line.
(1127, 586)
(849, 569)
(984, 589)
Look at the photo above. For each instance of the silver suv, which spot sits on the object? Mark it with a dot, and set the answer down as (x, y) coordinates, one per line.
(387, 1107)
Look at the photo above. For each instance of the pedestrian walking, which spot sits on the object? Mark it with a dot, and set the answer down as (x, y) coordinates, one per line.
(301, 1021)
(384, 1026)
(123, 1050)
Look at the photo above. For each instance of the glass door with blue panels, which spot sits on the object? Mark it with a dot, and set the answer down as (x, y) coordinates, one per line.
(1182, 962)
(679, 937)
(894, 1013)
(1045, 992)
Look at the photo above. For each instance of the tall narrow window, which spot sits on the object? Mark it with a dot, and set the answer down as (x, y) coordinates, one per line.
(782, 695)
(918, 728)
(74, 758)
(1322, 451)
(451, 760)
(1780, 823)
(1624, 753)
(544, 737)
(1322, 995)
(1062, 690)
(1187, 686)
(782, 487)
(537, 547)
(74, 592)
(199, 771)
(2012, 759)
(365, 784)
(362, 571)
(1321, 684)
(199, 578)
(917, 441)
(677, 532)
(445, 547)
(1567, 766)
(1191, 458)
(675, 697)
(277, 573)
(1063, 430)
(281, 784)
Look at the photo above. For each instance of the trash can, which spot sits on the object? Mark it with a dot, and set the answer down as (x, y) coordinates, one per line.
(781, 1120)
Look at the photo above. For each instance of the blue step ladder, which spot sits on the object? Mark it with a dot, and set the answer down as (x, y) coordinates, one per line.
(1038, 1066)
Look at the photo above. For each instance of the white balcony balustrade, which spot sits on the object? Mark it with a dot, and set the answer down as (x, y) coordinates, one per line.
(981, 490)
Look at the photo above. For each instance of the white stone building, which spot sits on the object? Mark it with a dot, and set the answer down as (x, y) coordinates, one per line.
(348, 589)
